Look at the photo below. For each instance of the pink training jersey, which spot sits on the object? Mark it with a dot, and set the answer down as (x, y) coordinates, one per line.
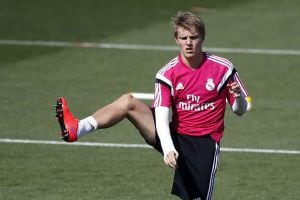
(197, 96)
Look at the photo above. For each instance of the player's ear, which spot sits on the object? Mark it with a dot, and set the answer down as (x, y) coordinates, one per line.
(176, 40)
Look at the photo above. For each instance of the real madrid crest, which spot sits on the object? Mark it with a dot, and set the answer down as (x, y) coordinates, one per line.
(210, 85)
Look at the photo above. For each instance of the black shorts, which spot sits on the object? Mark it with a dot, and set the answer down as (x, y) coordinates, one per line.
(197, 165)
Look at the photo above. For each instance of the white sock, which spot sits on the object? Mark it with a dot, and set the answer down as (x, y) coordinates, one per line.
(86, 126)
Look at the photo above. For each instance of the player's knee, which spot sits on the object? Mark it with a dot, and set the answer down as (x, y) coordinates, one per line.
(127, 101)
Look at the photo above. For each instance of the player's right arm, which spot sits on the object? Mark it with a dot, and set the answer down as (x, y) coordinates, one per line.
(161, 105)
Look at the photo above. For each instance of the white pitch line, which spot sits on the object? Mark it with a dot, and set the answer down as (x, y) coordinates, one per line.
(143, 47)
(96, 144)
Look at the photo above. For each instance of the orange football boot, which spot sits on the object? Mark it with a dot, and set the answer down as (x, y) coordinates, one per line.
(68, 123)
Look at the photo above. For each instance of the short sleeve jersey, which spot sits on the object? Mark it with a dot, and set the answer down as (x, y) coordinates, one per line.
(197, 96)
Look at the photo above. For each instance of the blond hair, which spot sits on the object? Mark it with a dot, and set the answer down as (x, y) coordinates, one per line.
(188, 21)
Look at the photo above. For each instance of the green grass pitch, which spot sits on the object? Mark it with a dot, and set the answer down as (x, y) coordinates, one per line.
(32, 77)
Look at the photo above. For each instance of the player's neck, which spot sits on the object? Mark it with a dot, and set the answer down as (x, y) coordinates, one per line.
(194, 61)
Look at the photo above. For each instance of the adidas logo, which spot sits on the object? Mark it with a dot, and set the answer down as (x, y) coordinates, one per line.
(179, 86)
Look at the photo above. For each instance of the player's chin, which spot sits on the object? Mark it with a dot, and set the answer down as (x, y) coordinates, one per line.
(189, 54)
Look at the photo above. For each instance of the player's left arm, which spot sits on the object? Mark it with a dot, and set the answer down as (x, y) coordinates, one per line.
(239, 105)
(237, 94)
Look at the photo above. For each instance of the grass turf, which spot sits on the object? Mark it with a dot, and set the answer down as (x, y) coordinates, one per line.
(91, 78)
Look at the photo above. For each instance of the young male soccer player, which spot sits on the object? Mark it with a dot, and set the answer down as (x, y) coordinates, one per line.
(195, 85)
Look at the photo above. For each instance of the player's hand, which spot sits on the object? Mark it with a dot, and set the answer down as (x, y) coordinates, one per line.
(234, 89)
(171, 159)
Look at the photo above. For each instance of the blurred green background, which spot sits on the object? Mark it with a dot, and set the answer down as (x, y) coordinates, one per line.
(32, 77)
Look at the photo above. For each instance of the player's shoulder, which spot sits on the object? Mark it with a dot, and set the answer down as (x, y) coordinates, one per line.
(169, 66)
(219, 60)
